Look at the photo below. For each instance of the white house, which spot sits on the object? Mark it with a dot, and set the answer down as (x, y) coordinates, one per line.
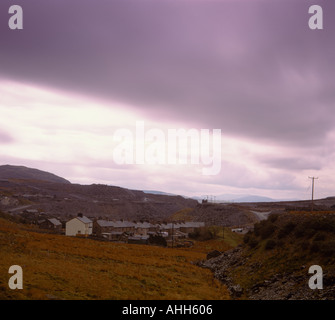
(80, 225)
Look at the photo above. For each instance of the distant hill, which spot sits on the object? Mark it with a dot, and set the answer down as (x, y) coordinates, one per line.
(254, 199)
(159, 192)
(24, 173)
(239, 198)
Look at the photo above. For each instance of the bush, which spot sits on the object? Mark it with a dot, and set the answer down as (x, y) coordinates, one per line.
(270, 244)
(253, 242)
(327, 248)
(158, 240)
(280, 243)
(247, 237)
(315, 247)
(305, 245)
(304, 230)
(320, 236)
(257, 228)
(317, 224)
(202, 234)
(267, 231)
(273, 217)
(286, 229)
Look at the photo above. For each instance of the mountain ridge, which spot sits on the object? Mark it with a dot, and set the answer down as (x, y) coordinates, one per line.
(25, 173)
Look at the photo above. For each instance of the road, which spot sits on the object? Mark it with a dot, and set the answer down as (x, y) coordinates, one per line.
(261, 215)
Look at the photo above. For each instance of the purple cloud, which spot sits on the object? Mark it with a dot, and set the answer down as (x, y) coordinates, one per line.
(5, 137)
(251, 68)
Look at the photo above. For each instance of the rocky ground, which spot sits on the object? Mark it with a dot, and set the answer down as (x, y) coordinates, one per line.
(283, 286)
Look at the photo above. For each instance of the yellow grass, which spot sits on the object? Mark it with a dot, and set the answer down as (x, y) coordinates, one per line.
(60, 267)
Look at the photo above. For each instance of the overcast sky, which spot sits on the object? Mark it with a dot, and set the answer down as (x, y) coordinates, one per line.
(81, 69)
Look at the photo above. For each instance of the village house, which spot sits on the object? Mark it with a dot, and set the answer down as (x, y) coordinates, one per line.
(167, 227)
(117, 230)
(51, 224)
(126, 226)
(102, 226)
(79, 225)
(142, 228)
(189, 227)
(115, 227)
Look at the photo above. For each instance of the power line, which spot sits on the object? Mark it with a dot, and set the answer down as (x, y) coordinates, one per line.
(313, 178)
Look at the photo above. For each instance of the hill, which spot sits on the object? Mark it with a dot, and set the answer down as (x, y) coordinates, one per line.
(71, 268)
(273, 262)
(24, 173)
(66, 200)
(223, 214)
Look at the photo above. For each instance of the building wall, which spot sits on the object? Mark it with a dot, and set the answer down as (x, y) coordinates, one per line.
(142, 231)
(49, 225)
(75, 226)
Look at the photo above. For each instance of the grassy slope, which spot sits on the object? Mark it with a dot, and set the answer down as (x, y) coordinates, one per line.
(73, 268)
(299, 241)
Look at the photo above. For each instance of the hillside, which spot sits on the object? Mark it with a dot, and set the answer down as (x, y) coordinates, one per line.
(223, 214)
(274, 260)
(23, 188)
(60, 267)
(24, 173)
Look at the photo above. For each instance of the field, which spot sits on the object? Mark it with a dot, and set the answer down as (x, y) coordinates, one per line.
(59, 267)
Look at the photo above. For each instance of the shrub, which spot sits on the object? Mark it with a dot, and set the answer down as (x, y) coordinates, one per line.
(315, 247)
(270, 244)
(286, 229)
(317, 224)
(304, 230)
(247, 237)
(320, 236)
(327, 248)
(157, 240)
(267, 231)
(202, 234)
(257, 228)
(273, 217)
(305, 245)
(253, 242)
(280, 243)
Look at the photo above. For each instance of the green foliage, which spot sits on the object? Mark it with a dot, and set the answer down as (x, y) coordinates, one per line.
(286, 229)
(250, 239)
(202, 234)
(328, 248)
(158, 240)
(305, 245)
(265, 228)
(267, 231)
(320, 236)
(273, 217)
(247, 237)
(270, 244)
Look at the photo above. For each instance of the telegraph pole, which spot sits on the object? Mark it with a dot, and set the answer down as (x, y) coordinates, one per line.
(313, 178)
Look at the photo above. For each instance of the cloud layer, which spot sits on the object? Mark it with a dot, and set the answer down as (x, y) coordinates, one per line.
(250, 68)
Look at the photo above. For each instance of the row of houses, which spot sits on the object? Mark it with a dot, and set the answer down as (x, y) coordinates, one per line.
(143, 228)
(85, 226)
(118, 230)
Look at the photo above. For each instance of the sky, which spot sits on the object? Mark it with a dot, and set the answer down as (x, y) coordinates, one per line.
(81, 72)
